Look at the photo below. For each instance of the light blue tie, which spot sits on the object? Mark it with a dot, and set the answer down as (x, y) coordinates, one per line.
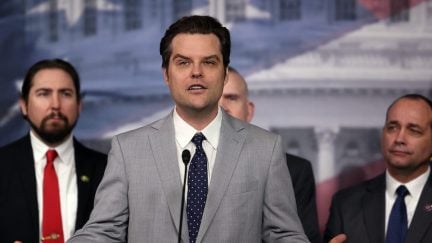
(197, 188)
(398, 222)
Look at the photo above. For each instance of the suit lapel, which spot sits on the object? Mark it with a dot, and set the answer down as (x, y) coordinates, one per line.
(164, 151)
(374, 209)
(28, 179)
(83, 171)
(230, 144)
(422, 218)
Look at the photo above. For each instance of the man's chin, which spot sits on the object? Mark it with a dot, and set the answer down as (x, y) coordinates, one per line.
(54, 138)
(54, 135)
(405, 166)
(399, 164)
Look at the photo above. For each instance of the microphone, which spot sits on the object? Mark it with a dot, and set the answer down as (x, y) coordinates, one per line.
(186, 155)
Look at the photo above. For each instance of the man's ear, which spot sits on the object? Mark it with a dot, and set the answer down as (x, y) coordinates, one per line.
(23, 106)
(251, 111)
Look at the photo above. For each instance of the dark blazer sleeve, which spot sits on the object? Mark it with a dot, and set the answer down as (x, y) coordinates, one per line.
(304, 189)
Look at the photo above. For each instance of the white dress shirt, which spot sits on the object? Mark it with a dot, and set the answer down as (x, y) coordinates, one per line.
(414, 187)
(64, 165)
(184, 134)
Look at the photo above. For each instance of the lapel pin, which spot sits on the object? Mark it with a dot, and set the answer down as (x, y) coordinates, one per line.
(428, 207)
(86, 179)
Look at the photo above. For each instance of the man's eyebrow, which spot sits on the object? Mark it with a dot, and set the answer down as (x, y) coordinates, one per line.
(43, 88)
(66, 89)
(51, 89)
(205, 58)
(392, 122)
(180, 56)
(212, 57)
(414, 125)
(230, 95)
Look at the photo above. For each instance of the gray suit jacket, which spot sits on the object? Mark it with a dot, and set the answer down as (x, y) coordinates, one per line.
(250, 194)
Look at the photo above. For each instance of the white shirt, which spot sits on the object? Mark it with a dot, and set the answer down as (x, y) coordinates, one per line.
(64, 165)
(184, 134)
(414, 187)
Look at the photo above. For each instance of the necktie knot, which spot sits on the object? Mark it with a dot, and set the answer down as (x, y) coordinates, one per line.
(402, 191)
(51, 155)
(197, 139)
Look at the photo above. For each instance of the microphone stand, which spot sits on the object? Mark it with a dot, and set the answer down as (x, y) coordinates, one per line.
(185, 158)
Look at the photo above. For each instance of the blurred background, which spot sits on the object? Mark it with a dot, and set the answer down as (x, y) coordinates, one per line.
(321, 72)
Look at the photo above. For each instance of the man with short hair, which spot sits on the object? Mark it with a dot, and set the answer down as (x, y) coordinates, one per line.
(47, 178)
(238, 185)
(235, 101)
(396, 205)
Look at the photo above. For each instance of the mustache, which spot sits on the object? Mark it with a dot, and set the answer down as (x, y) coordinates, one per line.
(56, 115)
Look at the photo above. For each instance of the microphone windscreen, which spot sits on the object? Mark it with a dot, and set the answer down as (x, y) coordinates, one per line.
(186, 156)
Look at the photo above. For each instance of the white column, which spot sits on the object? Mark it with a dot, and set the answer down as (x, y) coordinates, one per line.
(217, 9)
(326, 152)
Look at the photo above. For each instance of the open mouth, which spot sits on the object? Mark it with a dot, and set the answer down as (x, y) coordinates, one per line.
(196, 87)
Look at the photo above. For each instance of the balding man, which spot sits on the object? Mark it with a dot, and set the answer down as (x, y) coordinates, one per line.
(235, 102)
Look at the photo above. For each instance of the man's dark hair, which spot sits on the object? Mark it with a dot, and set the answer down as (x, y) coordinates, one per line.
(50, 64)
(195, 25)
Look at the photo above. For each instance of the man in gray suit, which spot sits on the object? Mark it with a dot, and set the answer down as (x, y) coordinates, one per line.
(238, 185)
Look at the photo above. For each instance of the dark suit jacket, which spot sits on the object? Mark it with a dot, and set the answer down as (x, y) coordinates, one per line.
(359, 212)
(19, 217)
(304, 189)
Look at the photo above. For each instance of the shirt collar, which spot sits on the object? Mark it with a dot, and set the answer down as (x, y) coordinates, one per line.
(64, 150)
(414, 187)
(184, 132)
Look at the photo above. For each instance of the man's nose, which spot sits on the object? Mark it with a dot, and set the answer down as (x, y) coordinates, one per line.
(55, 101)
(197, 71)
(400, 137)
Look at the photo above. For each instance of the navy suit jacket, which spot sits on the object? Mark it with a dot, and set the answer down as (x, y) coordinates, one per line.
(304, 189)
(19, 216)
(359, 212)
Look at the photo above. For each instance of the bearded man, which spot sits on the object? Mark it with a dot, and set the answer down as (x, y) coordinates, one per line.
(47, 178)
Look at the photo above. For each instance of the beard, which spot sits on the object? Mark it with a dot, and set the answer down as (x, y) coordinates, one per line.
(54, 133)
